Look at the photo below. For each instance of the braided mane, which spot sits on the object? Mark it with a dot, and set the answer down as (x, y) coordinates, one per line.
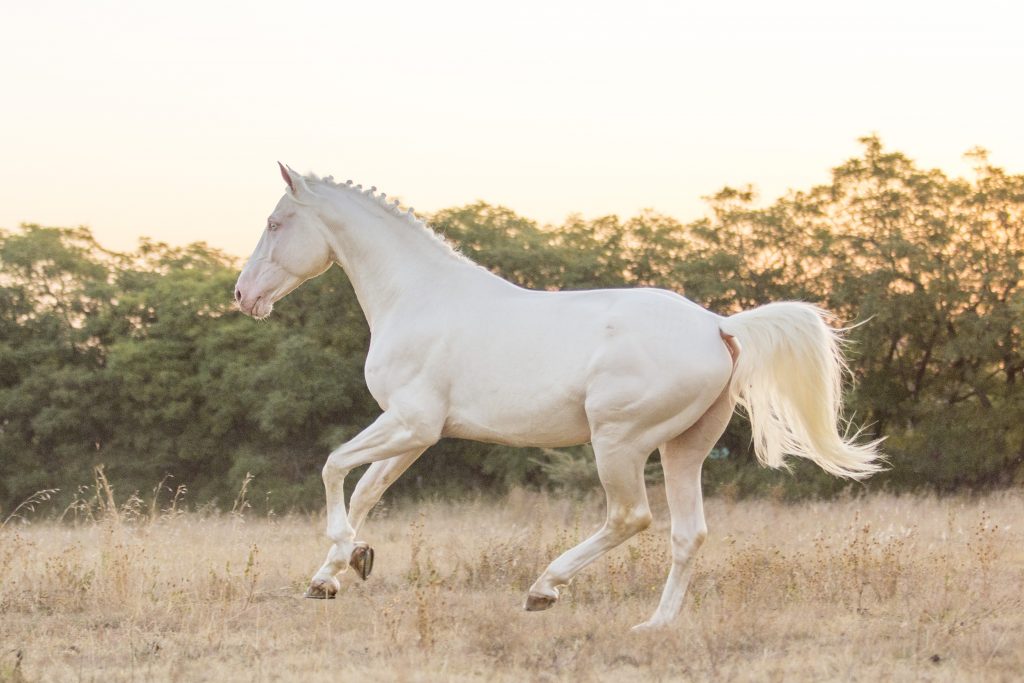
(393, 207)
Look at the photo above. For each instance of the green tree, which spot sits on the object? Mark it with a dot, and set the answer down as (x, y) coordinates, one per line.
(140, 361)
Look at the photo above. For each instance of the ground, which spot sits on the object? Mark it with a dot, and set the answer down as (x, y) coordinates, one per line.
(868, 588)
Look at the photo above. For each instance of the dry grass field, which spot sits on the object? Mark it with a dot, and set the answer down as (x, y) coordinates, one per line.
(861, 589)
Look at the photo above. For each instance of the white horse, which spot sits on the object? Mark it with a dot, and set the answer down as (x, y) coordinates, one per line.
(457, 351)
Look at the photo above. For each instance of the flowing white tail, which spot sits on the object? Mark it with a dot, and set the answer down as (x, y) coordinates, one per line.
(789, 381)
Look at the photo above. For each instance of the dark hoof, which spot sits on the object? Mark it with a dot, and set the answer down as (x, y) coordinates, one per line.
(362, 561)
(537, 603)
(323, 590)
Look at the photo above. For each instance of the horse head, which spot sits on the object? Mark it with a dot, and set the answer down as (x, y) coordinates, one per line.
(293, 248)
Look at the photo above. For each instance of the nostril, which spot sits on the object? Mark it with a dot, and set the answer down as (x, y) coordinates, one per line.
(238, 295)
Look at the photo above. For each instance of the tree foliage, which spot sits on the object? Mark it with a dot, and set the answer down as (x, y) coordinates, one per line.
(139, 361)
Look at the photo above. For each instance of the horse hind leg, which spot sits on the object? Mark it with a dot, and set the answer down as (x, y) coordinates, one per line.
(681, 460)
(622, 474)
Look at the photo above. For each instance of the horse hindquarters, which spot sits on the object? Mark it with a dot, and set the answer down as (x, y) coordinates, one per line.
(632, 410)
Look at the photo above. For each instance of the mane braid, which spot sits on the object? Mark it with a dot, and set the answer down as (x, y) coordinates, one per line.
(393, 207)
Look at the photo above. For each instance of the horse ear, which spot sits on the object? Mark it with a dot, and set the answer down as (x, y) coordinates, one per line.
(295, 182)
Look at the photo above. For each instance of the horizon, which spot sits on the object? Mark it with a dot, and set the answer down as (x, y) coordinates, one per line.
(167, 123)
(759, 201)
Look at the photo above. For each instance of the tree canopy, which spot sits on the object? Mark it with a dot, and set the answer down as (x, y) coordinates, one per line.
(140, 362)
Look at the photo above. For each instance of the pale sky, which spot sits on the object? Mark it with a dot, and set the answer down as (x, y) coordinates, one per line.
(166, 119)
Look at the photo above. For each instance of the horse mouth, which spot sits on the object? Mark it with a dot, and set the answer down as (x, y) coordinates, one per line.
(260, 308)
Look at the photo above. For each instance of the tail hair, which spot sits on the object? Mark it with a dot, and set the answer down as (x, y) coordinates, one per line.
(788, 379)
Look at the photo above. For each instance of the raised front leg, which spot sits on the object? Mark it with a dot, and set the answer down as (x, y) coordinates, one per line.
(374, 483)
(401, 434)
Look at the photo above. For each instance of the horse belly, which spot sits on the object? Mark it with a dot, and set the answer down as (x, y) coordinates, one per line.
(542, 425)
(536, 407)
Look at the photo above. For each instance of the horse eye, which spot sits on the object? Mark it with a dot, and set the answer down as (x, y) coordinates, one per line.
(271, 225)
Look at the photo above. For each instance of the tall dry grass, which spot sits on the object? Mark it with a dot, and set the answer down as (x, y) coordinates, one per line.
(864, 589)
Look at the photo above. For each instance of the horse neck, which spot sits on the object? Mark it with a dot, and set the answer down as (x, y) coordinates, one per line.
(391, 260)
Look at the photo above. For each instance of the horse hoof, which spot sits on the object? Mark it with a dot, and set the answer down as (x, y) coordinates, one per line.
(323, 589)
(362, 560)
(537, 603)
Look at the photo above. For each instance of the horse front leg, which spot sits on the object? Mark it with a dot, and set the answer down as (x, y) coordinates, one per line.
(400, 435)
(372, 485)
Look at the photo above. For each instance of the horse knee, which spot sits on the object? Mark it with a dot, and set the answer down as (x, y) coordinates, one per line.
(332, 471)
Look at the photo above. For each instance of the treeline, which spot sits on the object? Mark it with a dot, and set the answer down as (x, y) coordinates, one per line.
(140, 362)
